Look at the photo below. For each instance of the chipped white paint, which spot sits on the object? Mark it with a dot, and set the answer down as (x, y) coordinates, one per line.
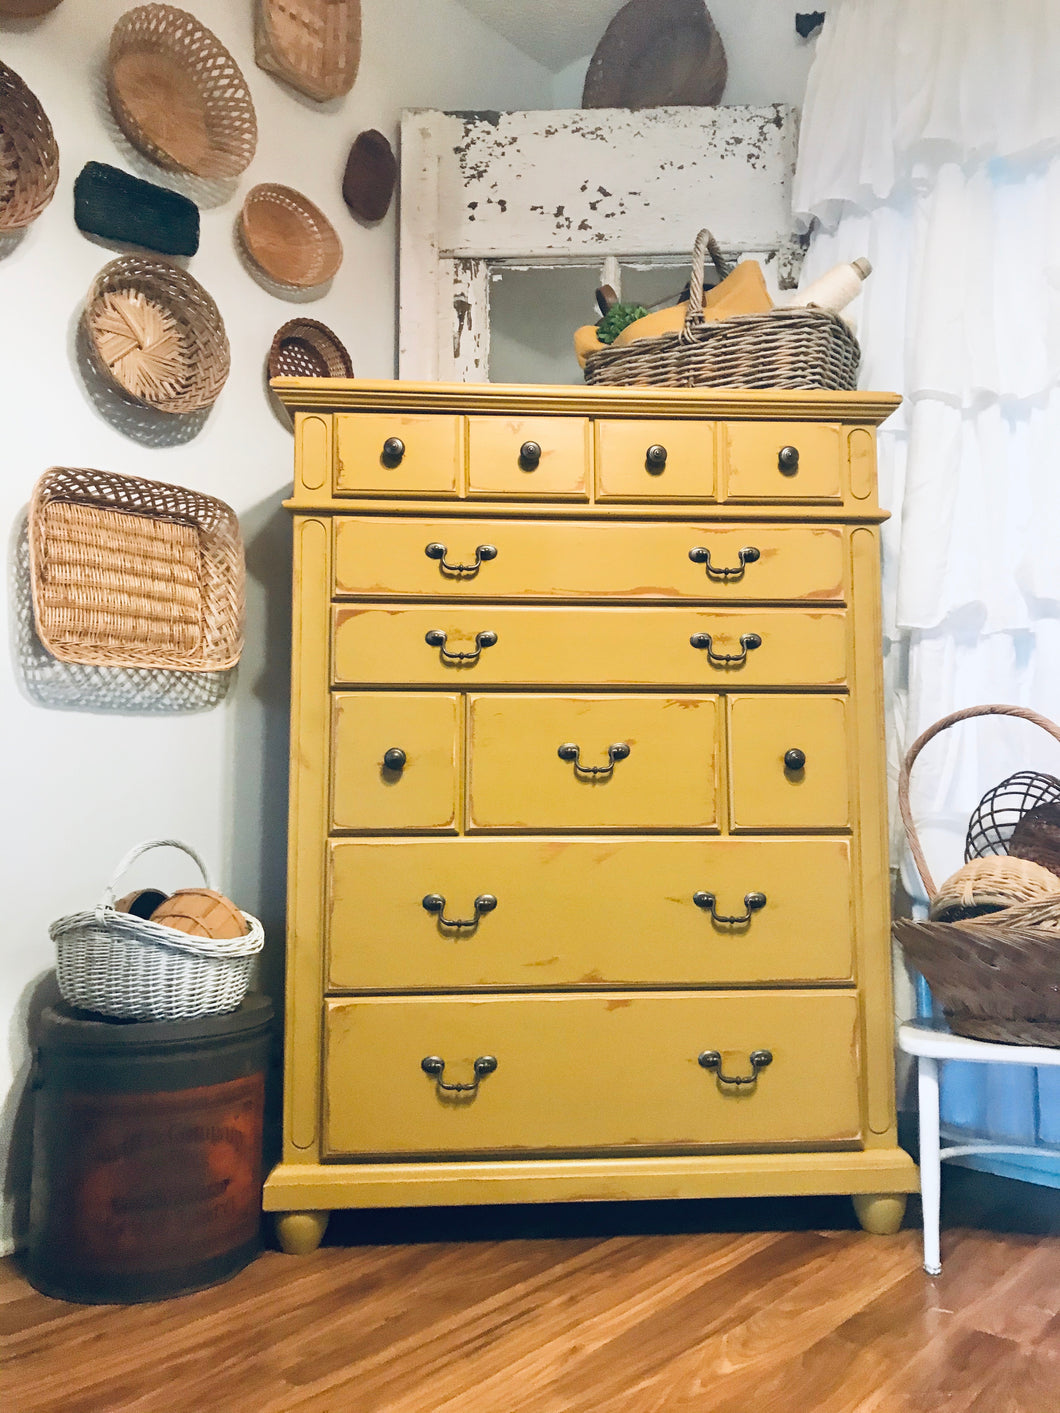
(576, 186)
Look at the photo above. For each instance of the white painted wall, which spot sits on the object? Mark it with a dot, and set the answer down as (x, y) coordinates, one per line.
(78, 786)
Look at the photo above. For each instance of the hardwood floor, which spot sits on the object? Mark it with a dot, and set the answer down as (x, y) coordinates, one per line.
(716, 1307)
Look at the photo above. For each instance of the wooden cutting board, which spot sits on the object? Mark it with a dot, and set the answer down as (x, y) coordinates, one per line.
(657, 53)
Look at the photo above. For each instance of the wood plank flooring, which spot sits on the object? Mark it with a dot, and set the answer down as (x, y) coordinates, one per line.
(716, 1307)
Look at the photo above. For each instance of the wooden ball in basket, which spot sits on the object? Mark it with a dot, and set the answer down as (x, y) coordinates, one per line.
(141, 902)
(202, 912)
(1037, 836)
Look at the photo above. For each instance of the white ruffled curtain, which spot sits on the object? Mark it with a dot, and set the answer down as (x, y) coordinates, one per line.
(930, 142)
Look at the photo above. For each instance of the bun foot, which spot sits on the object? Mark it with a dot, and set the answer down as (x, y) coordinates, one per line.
(300, 1233)
(880, 1213)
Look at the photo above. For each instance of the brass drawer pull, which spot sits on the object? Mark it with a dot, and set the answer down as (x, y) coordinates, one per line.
(655, 459)
(437, 639)
(393, 451)
(530, 455)
(788, 460)
(615, 753)
(434, 1065)
(748, 555)
(482, 553)
(435, 903)
(711, 1060)
(753, 902)
(748, 641)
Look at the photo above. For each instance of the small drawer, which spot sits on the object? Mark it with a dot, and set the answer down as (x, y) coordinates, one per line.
(569, 763)
(788, 763)
(394, 761)
(395, 454)
(483, 645)
(783, 461)
(387, 558)
(535, 457)
(638, 461)
(532, 914)
(613, 1071)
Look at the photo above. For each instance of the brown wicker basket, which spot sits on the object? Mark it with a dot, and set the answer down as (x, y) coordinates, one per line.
(786, 348)
(304, 348)
(157, 334)
(27, 9)
(995, 977)
(133, 573)
(29, 156)
(178, 95)
(314, 45)
(288, 238)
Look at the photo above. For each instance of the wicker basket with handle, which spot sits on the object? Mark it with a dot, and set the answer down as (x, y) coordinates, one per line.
(995, 977)
(786, 348)
(135, 969)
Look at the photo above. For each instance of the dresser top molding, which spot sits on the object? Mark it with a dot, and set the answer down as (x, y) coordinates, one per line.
(351, 394)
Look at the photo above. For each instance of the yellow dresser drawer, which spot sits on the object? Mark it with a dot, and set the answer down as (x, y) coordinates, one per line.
(395, 761)
(644, 461)
(480, 646)
(783, 461)
(389, 557)
(536, 457)
(555, 763)
(395, 454)
(587, 912)
(609, 1071)
(788, 763)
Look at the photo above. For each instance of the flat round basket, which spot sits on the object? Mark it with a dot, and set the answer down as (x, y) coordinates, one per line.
(304, 348)
(29, 157)
(314, 45)
(178, 95)
(156, 333)
(287, 237)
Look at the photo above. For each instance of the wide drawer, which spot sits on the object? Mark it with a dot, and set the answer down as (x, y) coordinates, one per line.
(587, 912)
(458, 645)
(575, 1073)
(566, 763)
(379, 557)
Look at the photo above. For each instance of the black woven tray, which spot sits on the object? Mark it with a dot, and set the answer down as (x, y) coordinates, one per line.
(112, 204)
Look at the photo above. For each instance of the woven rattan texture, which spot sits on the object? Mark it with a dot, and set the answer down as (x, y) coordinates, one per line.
(287, 237)
(786, 348)
(29, 156)
(174, 354)
(314, 45)
(994, 977)
(994, 883)
(304, 348)
(133, 573)
(178, 95)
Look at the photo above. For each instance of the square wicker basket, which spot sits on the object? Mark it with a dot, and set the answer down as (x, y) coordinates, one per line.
(133, 573)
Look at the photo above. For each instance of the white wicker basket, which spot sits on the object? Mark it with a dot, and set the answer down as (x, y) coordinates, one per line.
(135, 969)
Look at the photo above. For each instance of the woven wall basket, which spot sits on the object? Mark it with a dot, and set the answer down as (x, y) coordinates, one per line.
(134, 573)
(995, 977)
(110, 203)
(28, 9)
(786, 348)
(155, 332)
(304, 348)
(314, 45)
(178, 95)
(29, 156)
(288, 238)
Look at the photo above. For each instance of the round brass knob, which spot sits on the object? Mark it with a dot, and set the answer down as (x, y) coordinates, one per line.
(655, 458)
(393, 449)
(395, 758)
(530, 454)
(794, 759)
(788, 460)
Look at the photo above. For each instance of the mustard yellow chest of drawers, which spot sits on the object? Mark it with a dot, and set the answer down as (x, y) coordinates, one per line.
(588, 886)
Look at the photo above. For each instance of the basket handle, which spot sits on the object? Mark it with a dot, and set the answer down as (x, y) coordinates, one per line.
(107, 900)
(990, 709)
(705, 243)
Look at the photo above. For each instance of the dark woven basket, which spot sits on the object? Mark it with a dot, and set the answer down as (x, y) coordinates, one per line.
(112, 204)
(305, 348)
(995, 977)
(786, 348)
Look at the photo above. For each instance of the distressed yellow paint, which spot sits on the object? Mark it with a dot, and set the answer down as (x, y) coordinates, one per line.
(623, 471)
(575, 912)
(578, 1072)
(596, 980)
(385, 558)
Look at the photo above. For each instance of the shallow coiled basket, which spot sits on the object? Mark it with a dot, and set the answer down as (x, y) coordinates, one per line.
(131, 968)
(995, 977)
(785, 348)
